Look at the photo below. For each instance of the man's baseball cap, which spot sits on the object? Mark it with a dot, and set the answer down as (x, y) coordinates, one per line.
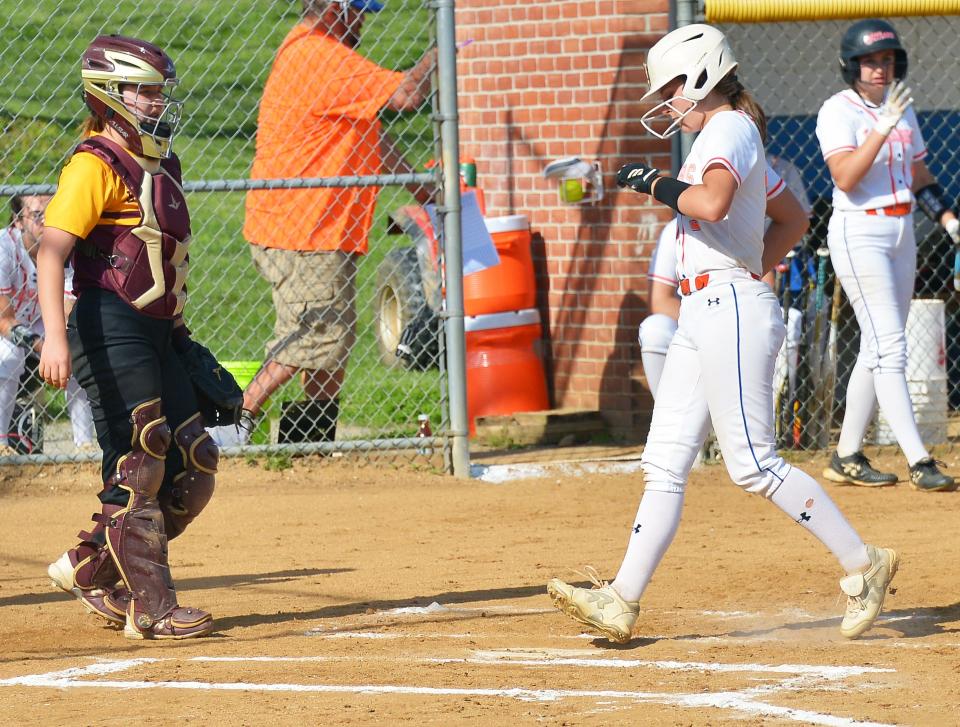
(366, 6)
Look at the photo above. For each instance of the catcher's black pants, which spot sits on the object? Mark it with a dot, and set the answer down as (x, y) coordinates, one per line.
(123, 358)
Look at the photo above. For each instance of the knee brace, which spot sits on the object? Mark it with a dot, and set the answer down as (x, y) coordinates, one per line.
(656, 332)
(192, 488)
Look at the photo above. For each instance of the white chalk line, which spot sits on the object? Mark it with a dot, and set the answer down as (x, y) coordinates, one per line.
(804, 677)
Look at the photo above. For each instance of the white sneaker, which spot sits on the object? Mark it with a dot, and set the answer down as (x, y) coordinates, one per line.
(600, 607)
(865, 591)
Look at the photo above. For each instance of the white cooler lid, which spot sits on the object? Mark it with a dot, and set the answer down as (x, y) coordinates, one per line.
(491, 321)
(510, 223)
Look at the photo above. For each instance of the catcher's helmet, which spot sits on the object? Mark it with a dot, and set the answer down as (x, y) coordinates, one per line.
(113, 61)
(869, 36)
(700, 54)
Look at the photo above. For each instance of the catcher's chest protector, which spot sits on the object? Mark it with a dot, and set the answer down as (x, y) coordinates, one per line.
(145, 264)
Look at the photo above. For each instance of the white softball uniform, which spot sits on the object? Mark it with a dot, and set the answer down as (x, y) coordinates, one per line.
(656, 331)
(719, 368)
(18, 282)
(873, 250)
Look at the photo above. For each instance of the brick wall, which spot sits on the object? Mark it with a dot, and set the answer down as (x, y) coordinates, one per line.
(544, 80)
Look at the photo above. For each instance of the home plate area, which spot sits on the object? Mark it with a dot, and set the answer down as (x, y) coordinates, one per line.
(426, 657)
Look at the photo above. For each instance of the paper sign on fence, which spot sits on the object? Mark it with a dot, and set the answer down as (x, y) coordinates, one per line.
(479, 252)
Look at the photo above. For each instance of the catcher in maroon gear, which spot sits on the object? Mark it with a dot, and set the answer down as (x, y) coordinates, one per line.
(120, 213)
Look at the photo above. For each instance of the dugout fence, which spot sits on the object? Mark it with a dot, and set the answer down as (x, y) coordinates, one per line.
(223, 50)
(791, 66)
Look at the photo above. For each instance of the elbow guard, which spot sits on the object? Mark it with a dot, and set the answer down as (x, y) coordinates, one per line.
(930, 199)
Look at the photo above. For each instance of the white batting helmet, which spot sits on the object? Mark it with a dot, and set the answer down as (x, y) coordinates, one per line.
(700, 55)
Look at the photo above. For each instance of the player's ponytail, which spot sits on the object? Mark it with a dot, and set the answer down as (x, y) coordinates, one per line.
(741, 99)
(91, 125)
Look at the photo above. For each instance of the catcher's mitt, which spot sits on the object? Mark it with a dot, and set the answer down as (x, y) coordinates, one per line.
(218, 394)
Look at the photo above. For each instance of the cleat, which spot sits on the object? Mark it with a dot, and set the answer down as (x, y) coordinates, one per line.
(927, 477)
(855, 469)
(600, 607)
(865, 591)
(178, 623)
(97, 601)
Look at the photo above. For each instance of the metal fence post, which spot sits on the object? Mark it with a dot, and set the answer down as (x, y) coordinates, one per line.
(453, 253)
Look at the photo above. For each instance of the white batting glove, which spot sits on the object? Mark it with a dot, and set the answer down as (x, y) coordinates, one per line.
(895, 105)
(952, 227)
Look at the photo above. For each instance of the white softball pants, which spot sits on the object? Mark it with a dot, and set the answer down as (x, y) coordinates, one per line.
(875, 258)
(719, 368)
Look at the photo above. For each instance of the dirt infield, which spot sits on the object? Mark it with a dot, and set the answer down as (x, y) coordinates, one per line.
(359, 595)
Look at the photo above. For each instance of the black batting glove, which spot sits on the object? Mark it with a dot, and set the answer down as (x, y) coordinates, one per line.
(639, 177)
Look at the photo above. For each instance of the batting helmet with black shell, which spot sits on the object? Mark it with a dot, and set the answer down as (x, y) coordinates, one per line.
(869, 36)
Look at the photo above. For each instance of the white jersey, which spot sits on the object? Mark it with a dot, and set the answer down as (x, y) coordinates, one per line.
(730, 139)
(843, 124)
(18, 278)
(663, 262)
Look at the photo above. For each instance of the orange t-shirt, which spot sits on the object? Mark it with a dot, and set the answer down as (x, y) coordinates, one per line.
(318, 118)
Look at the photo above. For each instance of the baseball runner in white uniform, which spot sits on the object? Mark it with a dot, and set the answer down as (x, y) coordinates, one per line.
(872, 144)
(663, 298)
(21, 328)
(720, 362)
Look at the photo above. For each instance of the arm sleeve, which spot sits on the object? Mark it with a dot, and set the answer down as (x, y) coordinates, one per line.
(733, 145)
(81, 196)
(834, 132)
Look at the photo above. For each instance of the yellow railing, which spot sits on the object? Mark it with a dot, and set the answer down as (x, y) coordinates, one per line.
(771, 11)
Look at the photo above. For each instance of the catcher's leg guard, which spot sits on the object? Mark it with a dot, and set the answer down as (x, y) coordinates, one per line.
(87, 571)
(138, 542)
(192, 488)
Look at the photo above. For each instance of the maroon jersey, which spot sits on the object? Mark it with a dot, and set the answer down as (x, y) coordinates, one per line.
(145, 264)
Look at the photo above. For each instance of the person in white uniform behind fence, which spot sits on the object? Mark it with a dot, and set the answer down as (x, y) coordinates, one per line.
(21, 329)
(657, 329)
(871, 141)
(720, 363)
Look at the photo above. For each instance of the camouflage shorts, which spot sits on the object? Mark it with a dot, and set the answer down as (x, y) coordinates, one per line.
(313, 296)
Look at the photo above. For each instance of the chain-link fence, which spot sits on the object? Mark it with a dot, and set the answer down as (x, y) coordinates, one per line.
(322, 123)
(792, 68)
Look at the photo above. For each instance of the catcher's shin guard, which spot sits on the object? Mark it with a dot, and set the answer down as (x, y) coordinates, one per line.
(192, 488)
(138, 542)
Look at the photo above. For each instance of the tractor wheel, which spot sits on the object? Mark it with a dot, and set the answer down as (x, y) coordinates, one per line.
(399, 302)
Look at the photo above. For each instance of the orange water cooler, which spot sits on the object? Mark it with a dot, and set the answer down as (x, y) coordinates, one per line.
(509, 286)
(504, 369)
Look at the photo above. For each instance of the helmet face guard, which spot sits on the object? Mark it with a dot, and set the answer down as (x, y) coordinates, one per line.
(659, 112)
(699, 55)
(114, 64)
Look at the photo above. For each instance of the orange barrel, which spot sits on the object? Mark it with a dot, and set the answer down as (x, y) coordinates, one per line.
(509, 286)
(504, 371)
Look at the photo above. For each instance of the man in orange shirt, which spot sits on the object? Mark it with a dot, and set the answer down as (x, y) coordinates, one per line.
(319, 117)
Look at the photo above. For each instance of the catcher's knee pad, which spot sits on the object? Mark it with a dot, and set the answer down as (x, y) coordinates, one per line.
(192, 488)
(656, 332)
(141, 471)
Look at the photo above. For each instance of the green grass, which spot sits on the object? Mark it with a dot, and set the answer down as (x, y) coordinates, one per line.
(223, 50)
